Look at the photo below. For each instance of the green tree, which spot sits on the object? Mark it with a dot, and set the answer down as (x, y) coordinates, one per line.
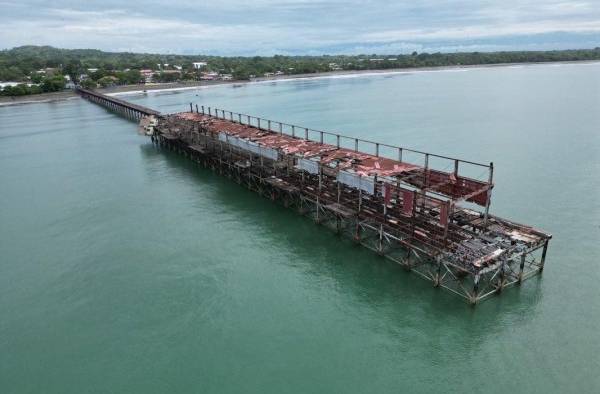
(53, 84)
(88, 84)
(107, 81)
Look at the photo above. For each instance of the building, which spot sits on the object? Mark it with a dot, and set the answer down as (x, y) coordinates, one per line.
(69, 84)
(147, 74)
(209, 76)
(199, 65)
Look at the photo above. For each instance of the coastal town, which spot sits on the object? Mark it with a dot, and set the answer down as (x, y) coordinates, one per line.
(51, 79)
(31, 70)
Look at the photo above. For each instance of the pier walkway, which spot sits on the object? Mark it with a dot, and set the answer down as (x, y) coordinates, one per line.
(123, 107)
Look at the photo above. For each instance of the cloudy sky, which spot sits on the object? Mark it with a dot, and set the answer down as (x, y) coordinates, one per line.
(266, 27)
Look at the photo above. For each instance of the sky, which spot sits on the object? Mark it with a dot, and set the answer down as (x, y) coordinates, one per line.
(301, 27)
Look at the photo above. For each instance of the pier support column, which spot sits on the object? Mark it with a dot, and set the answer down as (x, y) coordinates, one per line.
(437, 279)
(502, 279)
(474, 297)
(357, 232)
(521, 267)
(380, 241)
(543, 260)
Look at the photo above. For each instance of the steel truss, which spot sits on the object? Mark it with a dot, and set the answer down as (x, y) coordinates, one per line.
(366, 219)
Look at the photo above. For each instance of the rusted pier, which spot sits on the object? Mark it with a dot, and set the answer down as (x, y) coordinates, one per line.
(125, 108)
(427, 212)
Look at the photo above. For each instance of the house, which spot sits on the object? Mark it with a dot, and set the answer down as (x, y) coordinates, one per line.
(147, 74)
(226, 77)
(179, 68)
(199, 65)
(209, 76)
(92, 70)
(10, 84)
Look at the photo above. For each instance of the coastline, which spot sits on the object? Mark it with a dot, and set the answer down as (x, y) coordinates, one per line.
(179, 86)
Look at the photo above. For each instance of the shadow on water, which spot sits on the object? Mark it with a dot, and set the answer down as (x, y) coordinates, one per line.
(379, 285)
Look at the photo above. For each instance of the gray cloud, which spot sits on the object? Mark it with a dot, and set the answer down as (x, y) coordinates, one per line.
(301, 26)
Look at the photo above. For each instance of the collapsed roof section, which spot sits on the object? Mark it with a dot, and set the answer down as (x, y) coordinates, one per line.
(452, 185)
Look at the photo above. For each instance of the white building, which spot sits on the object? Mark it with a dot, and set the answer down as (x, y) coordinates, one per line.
(147, 75)
(209, 76)
(199, 65)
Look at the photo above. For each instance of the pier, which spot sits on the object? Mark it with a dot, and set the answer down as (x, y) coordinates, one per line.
(125, 108)
(429, 213)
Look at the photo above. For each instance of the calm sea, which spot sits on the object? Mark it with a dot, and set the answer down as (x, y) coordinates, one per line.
(127, 269)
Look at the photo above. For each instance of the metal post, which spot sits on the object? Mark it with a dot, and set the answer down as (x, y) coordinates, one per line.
(426, 170)
(319, 193)
(489, 196)
(356, 145)
(191, 108)
(196, 108)
(293, 131)
(306, 134)
(338, 141)
(377, 149)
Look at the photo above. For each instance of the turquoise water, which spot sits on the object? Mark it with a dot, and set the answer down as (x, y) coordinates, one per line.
(127, 269)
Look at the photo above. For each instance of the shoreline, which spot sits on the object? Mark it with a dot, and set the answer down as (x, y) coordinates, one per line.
(180, 86)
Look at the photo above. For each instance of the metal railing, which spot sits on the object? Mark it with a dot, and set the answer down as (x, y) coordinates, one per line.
(429, 161)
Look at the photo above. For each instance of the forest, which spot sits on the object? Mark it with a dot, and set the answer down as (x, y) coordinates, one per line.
(21, 64)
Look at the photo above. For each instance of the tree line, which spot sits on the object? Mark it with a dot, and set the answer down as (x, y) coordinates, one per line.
(21, 64)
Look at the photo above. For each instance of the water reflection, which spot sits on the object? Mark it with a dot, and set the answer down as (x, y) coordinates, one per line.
(375, 291)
